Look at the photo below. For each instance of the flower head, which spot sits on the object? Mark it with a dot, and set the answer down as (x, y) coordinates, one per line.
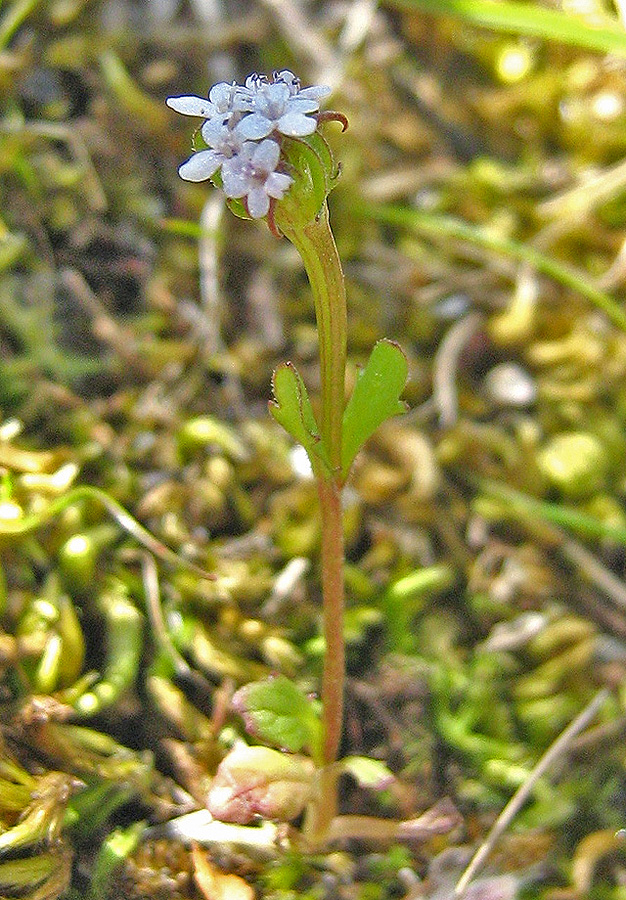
(243, 129)
(252, 174)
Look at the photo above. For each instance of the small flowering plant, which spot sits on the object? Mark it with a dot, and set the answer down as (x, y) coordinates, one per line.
(263, 147)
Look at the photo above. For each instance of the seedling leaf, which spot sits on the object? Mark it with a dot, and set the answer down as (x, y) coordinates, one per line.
(375, 398)
(258, 781)
(277, 712)
(292, 409)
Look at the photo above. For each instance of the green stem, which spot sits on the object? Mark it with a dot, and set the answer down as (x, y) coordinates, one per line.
(316, 246)
(321, 813)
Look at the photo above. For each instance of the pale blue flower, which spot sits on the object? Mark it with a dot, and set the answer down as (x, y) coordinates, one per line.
(221, 102)
(275, 108)
(224, 143)
(252, 174)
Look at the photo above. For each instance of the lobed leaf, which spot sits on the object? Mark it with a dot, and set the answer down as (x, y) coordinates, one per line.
(375, 398)
(292, 409)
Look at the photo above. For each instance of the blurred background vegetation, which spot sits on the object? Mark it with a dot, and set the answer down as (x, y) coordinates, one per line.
(480, 216)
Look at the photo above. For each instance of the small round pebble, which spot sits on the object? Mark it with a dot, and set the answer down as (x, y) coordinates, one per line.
(508, 384)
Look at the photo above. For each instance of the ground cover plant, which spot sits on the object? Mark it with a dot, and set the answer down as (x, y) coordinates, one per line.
(164, 565)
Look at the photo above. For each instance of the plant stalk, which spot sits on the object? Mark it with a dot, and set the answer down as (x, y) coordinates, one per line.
(333, 592)
(316, 246)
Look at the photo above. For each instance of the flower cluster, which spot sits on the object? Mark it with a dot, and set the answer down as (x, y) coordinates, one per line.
(243, 127)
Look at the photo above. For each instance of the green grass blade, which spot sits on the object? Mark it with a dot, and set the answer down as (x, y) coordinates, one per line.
(14, 18)
(581, 523)
(526, 19)
(438, 226)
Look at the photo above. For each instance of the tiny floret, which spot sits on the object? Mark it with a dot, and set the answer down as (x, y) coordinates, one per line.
(252, 174)
(243, 130)
(276, 109)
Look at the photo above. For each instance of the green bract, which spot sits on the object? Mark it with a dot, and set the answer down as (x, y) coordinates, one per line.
(310, 163)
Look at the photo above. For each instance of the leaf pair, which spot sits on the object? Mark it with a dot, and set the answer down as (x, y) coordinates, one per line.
(253, 781)
(277, 712)
(375, 398)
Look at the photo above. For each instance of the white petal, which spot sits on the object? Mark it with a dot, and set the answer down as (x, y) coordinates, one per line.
(243, 101)
(257, 202)
(289, 79)
(200, 166)
(276, 184)
(296, 125)
(253, 127)
(286, 75)
(213, 132)
(302, 105)
(316, 92)
(221, 94)
(235, 183)
(247, 151)
(266, 156)
(278, 92)
(254, 82)
(191, 106)
(220, 137)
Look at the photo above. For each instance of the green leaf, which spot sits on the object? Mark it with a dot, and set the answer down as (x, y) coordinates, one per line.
(375, 398)
(277, 712)
(369, 773)
(257, 781)
(238, 209)
(292, 409)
